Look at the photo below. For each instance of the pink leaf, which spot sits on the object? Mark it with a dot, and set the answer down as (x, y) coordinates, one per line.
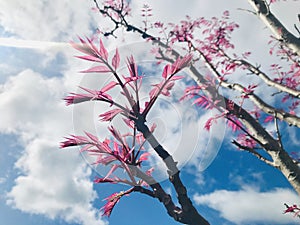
(103, 51)
(234, 124)
(112, 200)
(176, 78)
(167, 71)
(89, 58)
(77, 98)
(113, 168)
(92, 137)
(109, 115)
(132, 67)
(268, 119)
(149, 172)
(115, 133)
(109, 86)
(208, 124)
(104, 180)
(73, 141)
(97, 69)
(144, 156)
(116, 60)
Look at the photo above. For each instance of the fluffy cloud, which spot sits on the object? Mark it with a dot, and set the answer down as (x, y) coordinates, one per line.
(52, 182)
(45, 20)
(248, 205)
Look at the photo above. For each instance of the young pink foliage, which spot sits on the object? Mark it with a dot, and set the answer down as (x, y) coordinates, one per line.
(292, 209)
(208, 123)
(234, 124)
(112, 200)
(102, 51)
(244, 140)
(109, 115)
(179, 64)
(268, 119)
(163, 88)
(144, 157)
(109, 86)
(74, 141)
(89, 58)
(116, 60)
(104, 180)
(205, 102)
(132, 67)
(77, 98)
(97, 69)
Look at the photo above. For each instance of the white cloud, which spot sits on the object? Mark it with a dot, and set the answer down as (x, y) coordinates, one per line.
(2, 180)
(248, 205)
(45, 20)
(52, 182)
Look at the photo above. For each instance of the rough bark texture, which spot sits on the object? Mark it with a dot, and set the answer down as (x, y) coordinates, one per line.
(262, 10)
(278, 157)
(187, 214)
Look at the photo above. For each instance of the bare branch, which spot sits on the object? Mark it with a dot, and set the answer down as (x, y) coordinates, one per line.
(281, 33)
(280, 114)
(267, 80)
(253, 152)
(278, 131)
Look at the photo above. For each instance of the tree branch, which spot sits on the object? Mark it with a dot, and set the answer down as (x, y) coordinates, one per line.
(189, 213)
(280, 157)
(281, 87)
(281, 33)
(253, 152)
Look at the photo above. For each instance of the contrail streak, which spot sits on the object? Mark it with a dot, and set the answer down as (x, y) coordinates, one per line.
(19, 43)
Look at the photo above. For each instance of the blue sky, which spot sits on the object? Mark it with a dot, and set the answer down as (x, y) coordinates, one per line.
(41, 184)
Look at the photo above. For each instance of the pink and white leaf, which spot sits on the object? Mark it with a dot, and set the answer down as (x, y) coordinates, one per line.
(268, 119)
(132, 67)
(234, 124)
(97, 69)
(109, 86)
(116, 60)
(144, 157)
(113, 168)
(109, 115)
(92, 137)
(90, 58)
(102, 50)
(104, 180)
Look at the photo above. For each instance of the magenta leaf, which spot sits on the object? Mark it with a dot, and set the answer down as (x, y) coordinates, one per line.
(234, 124)
(97, 69)
(113, 168)
(132, 67)
(176, 78)
(92, 137)
(84, 48)
(246, 141)
(90, 58)
(112, 200)
(208, 123)
(74, 141)
(268, 119)
(103, 52)
(109, 86)
(116, 134)
(167, 71)
(116, 60)
(77, 98)
(104, 180)
(144, 157)
(109, 115)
